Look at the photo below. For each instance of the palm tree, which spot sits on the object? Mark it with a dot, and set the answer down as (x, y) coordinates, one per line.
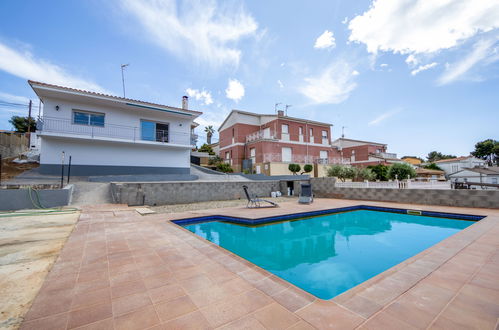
(209, 133)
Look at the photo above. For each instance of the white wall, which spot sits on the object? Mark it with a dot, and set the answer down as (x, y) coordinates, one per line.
(93, 152)
(450, 167)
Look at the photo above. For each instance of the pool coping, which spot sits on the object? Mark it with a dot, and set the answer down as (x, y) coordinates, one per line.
(421, 263)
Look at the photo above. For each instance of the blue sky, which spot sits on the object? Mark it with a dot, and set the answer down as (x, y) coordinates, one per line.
(419, 75)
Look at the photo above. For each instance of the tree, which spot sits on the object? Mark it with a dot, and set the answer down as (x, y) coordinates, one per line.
(20, 124)
(362, 174)
(487, 150)
(432, 166)
(380, 171)
(401, 171)
(206, 148)
(341, 172)
(436, 155)
(307, 168)
(209, 133)
(294, 168)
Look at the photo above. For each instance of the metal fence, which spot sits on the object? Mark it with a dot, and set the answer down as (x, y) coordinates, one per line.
(395, 184)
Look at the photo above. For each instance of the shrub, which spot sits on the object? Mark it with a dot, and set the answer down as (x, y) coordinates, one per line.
(432, 166)
(341, 172)
(362, 174)
(294, 168)
(380, 171)
(206, 148)
(224, 167)
(401, 171)
(215, 160)
(307, 168)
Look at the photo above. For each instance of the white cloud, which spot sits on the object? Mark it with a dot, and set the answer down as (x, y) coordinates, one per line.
(423, 68)
(13, 98)
(355, 73)
(202, 95)
(481, 50)
(422, 26)
(325, 40)
(332, 86)
(383, 65)
(25, 65)
(235, 90)
(383, 117)
(279, 82)
(202, 30)
(411, 60)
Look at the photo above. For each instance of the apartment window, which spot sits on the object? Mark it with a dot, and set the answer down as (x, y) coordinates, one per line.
(286, 155)
(253, 155)
(300, 130)
(88, 118)
(285, 131)
(352, 157)
(494, 180)
(324, 137)
(323, 154)
(311, 135)
(152, 131)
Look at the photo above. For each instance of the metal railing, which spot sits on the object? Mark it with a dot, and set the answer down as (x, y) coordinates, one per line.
(395, 184)
(303, 159)
(112, 131)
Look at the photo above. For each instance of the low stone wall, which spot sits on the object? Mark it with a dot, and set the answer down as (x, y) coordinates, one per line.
(166, 193)
(12, 144)
(19, 197)
(324, 187)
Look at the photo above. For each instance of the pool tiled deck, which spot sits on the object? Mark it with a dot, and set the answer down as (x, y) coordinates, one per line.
(121, 270)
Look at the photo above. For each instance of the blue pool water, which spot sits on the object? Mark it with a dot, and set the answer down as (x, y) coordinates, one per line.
(327, 255)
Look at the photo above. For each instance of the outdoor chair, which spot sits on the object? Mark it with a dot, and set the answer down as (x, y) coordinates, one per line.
(256, 202)
(306, 195)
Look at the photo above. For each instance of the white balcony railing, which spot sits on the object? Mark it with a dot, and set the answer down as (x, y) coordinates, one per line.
(303, 159)
(387, 155)
(112, 131)
(395, 184)
(260, 135)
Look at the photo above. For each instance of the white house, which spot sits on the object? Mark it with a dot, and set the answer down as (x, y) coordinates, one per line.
(453, 165)
(481, 175)
(107, 134)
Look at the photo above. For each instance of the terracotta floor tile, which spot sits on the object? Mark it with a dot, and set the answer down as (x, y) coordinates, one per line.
(91, 286)
(121, 278)
(275, 316)
(106, 324)
(154, 270)
(93, 276)
(293, 298)
(174, 308)
(93, 297)
(130, 303)
(271, 285)
(158, 280)
(301, 325)
(84, 316)
(328, 315)
(196, 283)
(254, 275)
(122, 269)
(127, 288)
(140, 319)
(166, 292)
(45, 305)
(191, 321)
(244, 323)
(362, 306)
(386, 322)
(210, 295)
(58, 321)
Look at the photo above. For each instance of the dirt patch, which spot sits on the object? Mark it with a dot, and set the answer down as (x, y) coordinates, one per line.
(11, 169)
(29, 245)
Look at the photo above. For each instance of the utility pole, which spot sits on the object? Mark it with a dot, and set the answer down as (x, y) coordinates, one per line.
(29, 116)
(123, 66)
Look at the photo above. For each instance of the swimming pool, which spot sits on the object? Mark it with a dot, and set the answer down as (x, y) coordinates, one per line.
(330, 253)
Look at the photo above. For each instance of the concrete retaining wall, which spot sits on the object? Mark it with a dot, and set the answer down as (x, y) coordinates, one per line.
(13, 144)
(324, 187)
(18, 197)
(166, 193)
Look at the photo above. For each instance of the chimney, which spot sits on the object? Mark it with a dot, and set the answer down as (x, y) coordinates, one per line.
(280, 113)
(185, 102)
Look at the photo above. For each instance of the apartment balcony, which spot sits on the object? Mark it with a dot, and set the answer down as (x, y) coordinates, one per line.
(304, 159)
(59, 127)
(284, 137)
(261, 135)
(388, 155)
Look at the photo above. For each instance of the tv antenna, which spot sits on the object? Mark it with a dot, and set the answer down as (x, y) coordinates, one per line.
(343, 131)
(123, 66)
(287, 106)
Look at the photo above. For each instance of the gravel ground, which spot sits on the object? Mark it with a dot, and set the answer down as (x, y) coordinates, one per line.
(211, 205)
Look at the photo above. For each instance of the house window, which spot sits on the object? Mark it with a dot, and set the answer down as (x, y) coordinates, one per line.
(494, 180)
(311, 135)
(253, 155)
(323, 156)
(324, 137)
(285, 132)
(286, 155)
(300, 130)
(88, 118)
(152, 131)
(352, 157)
